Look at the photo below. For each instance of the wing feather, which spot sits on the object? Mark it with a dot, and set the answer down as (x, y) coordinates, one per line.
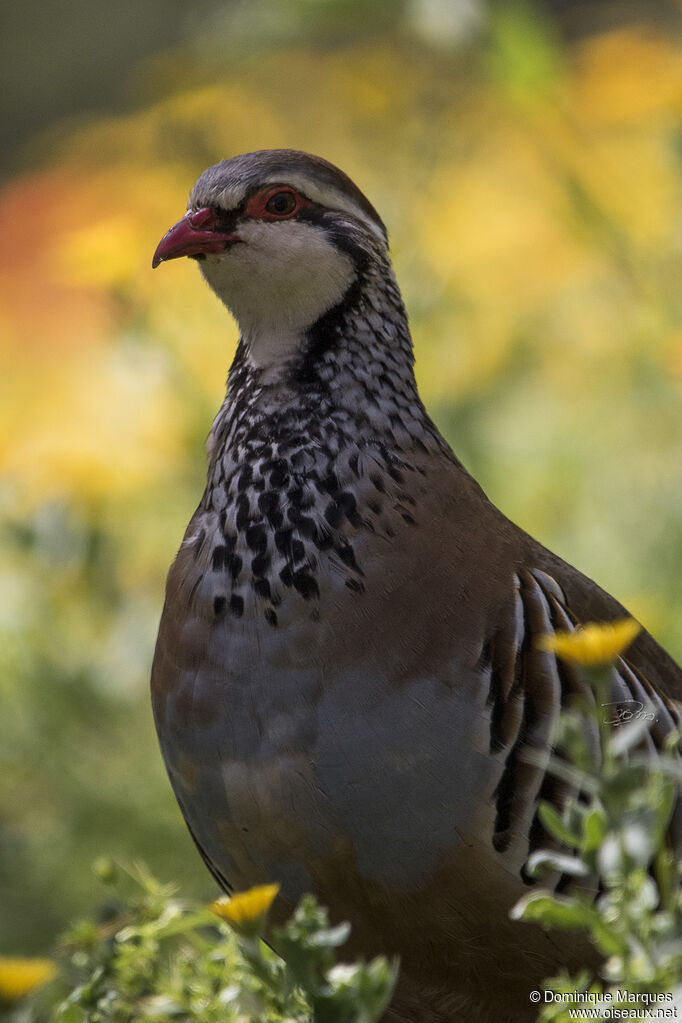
(529, 688)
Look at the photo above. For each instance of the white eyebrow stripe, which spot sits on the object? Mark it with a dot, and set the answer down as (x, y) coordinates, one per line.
(228, 198)
(328, 196)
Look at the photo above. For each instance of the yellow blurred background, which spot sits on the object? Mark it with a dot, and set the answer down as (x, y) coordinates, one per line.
(527, 163)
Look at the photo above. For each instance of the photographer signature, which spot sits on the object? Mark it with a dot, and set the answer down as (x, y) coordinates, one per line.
(628, 710)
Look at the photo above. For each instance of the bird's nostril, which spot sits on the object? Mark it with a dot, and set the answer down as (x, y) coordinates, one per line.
(202, 218)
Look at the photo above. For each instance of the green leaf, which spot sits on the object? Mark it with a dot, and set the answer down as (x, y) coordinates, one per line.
(552, 911)
(330, 937)
(594, 829)
(69, 1012)
(666, 875)
(556, 825)
(606, 938)
(556, 861)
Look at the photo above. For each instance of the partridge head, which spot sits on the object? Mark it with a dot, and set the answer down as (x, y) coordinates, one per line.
(281, 237)
(347, 677)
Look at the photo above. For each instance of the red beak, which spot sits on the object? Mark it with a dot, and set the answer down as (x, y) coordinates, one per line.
(198, 232)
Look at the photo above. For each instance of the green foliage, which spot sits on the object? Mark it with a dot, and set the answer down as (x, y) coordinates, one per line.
(616, 833)
(524, 56)
(158, 957)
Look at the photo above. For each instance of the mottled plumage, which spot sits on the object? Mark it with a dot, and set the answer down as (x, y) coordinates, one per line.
(346, 676)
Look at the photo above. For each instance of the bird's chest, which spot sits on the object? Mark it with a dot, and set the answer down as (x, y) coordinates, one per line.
(287, 742)
(303, 703)
(260, 632)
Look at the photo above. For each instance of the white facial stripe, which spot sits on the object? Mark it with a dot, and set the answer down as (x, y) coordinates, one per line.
(278, 283)
(332, 198)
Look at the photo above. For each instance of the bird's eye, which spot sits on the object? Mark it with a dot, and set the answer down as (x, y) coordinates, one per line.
(281, 204)
(275, 203)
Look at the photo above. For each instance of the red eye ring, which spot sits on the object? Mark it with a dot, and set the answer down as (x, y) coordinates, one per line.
(277, 203)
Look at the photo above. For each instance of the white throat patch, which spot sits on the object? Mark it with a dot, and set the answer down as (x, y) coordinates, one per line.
(277, 282)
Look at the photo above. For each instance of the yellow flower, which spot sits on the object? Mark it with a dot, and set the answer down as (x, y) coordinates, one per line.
(246, 911)
(18, 977)
(597, 643)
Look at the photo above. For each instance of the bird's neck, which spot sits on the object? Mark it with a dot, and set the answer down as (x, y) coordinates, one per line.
(307, 467)
(348, 381)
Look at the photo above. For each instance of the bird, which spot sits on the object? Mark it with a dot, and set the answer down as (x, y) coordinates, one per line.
(347, 678)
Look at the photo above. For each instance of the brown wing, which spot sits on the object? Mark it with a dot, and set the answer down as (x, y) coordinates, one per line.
(529, 687)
